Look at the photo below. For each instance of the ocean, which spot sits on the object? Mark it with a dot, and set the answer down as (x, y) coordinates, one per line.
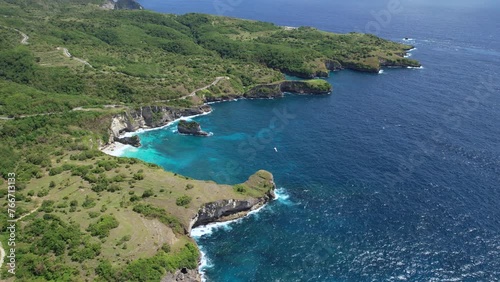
(393, 177)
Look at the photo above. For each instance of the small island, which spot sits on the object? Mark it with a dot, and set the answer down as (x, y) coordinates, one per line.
(190, 128)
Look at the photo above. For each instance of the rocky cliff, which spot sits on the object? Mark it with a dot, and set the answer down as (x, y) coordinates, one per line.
(121, 5)
(184, 275)
(229, 209)
(276, 90)
(150, 117)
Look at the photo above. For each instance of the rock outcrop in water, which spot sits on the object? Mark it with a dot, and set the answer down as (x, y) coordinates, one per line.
(133, 141)
(190, 128)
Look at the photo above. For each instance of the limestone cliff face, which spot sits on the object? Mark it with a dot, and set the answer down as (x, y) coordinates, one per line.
(265, 91)
(229, 97)
(303, 87)
(277, 90)
(224, 210)
(184, 275)
(399, 63)
(150, 117)
(122, 5)
(333, 65)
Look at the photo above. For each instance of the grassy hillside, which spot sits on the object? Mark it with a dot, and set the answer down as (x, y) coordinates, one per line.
(137, 57)
(86, 216)
(97, 217)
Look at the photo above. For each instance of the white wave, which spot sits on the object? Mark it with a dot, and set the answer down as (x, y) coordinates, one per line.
(130, 134)
(204, 264)
(283, 197)
(412, 49)
(200, 231)
(207, 230)
(380, 71)
(408, 39)
(416, 68)
(407, 55)
(117, 149)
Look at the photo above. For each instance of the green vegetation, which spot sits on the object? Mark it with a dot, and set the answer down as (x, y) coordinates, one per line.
(318, 85)
(102, 227)
(161, 57)
(183, 200)
(240, 188)
(188, 125)
(154, 212)
(101, 218)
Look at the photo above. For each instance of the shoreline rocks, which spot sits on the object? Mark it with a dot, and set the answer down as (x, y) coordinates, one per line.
(148, 117)
(190, 128)
(230, 209)
(133, 141)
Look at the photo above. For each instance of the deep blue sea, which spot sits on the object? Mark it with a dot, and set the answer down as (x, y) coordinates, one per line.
(393, 177)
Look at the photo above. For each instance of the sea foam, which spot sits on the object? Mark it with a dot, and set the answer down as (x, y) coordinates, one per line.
(207, 230)
(130, 134)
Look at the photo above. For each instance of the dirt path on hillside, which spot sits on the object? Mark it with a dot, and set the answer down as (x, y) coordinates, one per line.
(23, 216)
(25, 38)
(68, 54)
(217, 79)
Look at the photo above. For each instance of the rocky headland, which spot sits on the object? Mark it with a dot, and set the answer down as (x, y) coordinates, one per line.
(278, 90)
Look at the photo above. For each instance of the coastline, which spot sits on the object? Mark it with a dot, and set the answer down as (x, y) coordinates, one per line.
(225, 223)
(146, 129)
(117, 149)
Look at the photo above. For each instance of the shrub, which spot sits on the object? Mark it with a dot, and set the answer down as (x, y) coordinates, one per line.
(240, 188)
(89, 202)
(42, 193)
(183, 200)
(103, 226)
(138, 176)
(56, 170)
(148, 193)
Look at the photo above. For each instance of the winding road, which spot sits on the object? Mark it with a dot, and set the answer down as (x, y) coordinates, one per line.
(25, 37)
(68, 54)
(53, 113)
(217, 79)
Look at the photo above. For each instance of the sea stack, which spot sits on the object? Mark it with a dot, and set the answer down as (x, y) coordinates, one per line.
(190, 128)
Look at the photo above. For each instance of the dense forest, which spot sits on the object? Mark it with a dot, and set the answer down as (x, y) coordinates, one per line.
(67, 66)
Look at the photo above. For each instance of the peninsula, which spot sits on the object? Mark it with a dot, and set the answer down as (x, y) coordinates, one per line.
(75, 75)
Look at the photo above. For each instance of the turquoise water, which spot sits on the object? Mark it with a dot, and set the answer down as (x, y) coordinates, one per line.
(393, 177)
